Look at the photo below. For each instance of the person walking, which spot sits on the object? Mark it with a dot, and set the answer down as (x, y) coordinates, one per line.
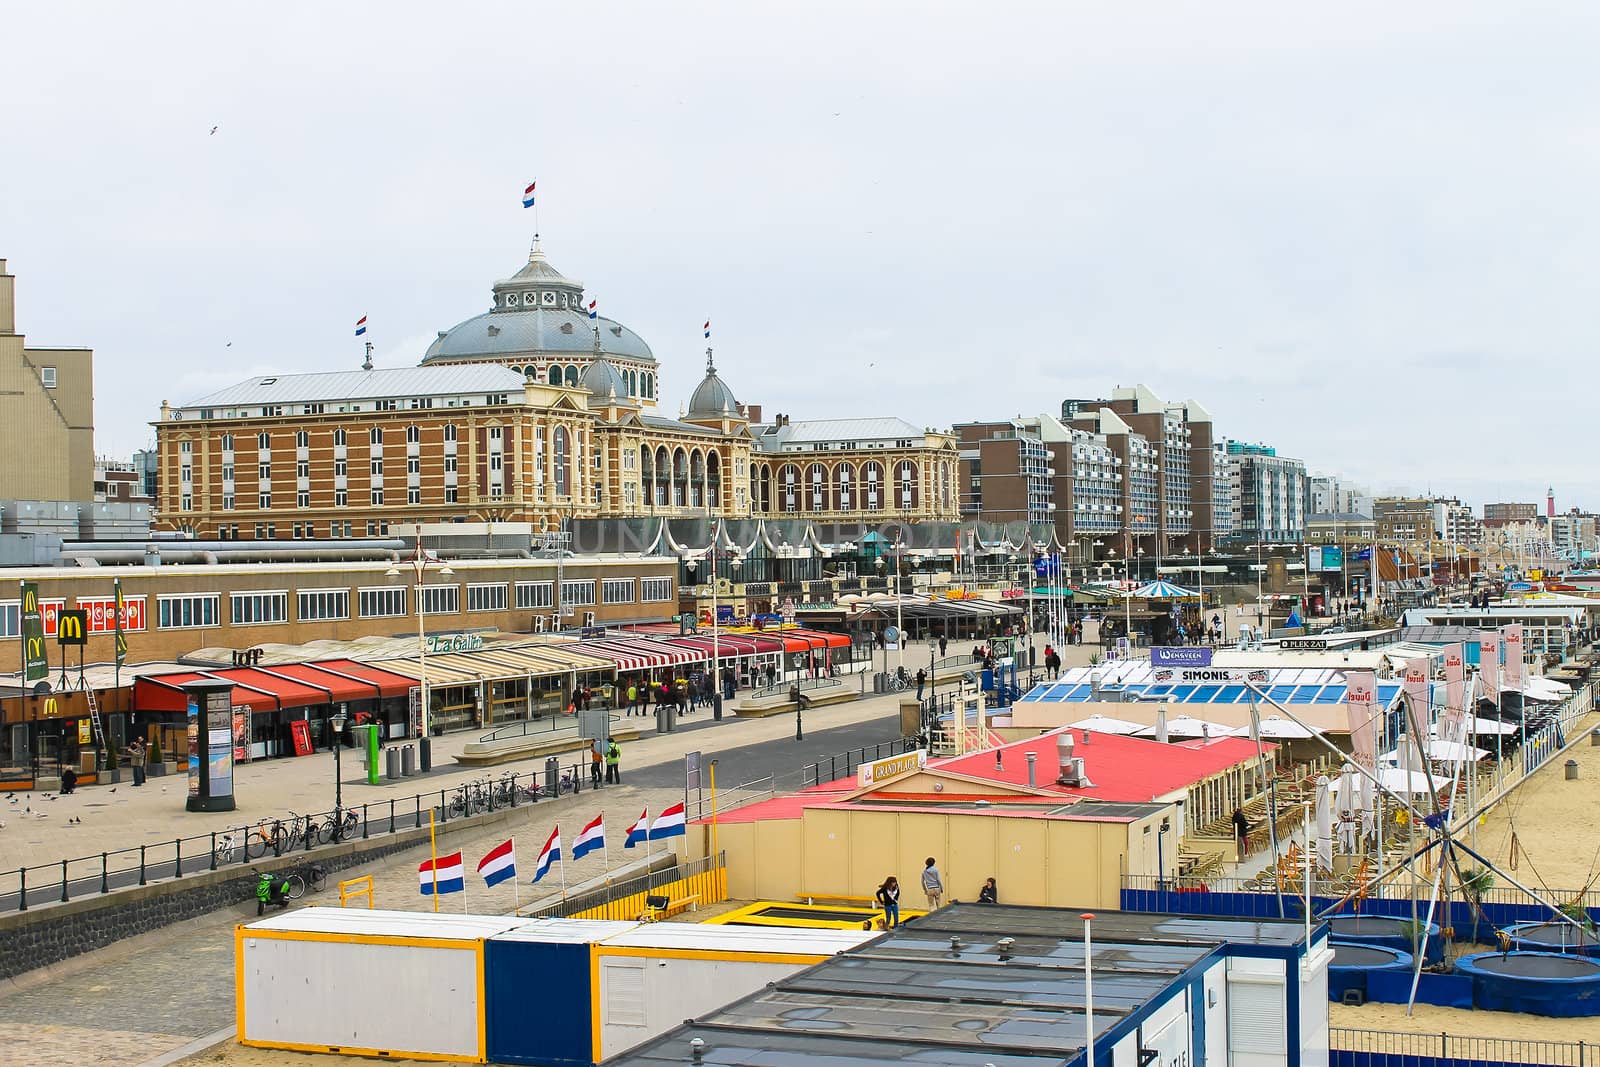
(633, 697)
(613, 762)
(136, 760)
(989, 894)
(596, 755)
(922, 680)
(942, 643)
(932, 884)
(1241, 831)
(888, 898)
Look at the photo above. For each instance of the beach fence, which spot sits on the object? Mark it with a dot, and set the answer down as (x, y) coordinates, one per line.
(1383, 1048)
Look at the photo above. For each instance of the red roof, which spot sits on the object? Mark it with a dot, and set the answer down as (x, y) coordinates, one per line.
(1132, 770)
(391, 684)
(344, 688)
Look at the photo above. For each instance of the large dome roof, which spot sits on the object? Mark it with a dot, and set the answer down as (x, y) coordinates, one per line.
(604, 382)
(537, 312)
(712, 399)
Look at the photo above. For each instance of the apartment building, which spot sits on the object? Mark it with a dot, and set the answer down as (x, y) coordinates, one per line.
(1269, 493)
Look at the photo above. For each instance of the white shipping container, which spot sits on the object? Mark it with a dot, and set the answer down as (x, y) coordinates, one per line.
(369, 982)
(655, 976)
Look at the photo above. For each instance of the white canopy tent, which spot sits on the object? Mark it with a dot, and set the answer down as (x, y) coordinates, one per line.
(1440, 752)
(1188, 726)
(1403, 782)
(1277, 728)
(1105, 724)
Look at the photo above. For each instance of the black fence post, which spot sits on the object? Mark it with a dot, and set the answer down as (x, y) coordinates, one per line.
(105, 883)
(311, 830)
(22, 890)
(177, 857)
(363, 822)
(63, 881)
(391, 815)
(244, 846)
(418, 800)
(444, 812)
(213, 850)
(141, 865)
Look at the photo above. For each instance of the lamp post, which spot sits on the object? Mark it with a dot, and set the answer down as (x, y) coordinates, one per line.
(421, 560)
(338, 722)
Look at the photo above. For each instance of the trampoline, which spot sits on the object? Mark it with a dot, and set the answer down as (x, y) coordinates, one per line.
(1353, 961)
(1538, 983)
(1553, 937)
(1385, 930)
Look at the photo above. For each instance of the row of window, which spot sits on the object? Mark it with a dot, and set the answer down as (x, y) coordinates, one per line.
(202, 610)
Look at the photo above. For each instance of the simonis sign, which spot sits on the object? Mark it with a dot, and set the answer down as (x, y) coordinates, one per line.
(1168, 675)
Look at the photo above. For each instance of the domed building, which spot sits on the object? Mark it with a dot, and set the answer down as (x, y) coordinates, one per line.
(529, 412)
(539, 326)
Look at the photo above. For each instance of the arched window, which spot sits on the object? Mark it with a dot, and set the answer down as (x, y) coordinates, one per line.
(697, 479)
(844, 480)
(555, 375)
(817, 487)
(872, 485)
(906, 484)
(713, 480)
(572, 376)
(761, 487)
(563, 474)
(663, 476)
(649, 386)
(944, 486)
(789, 488)
(680, 477)
(647, 467)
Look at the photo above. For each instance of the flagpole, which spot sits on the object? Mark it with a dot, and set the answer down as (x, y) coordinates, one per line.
(713, 812)
(433, 849)
(605, 848)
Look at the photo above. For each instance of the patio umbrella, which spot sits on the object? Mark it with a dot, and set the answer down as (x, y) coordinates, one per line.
(1323, 813)
(1163, 590)
(1484, 726)
(1277, 728)
(1404, 782)
(1105, 724)
(1441, 752)
(1188, 726)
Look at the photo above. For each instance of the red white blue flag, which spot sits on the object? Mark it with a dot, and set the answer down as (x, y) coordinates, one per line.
(639, 831)
(708, 329)
(527, 195)
(499, 865)
(548, 855)
(590, 838)
(669, 823)
(443, 875)
(361, 326)
(592, 312)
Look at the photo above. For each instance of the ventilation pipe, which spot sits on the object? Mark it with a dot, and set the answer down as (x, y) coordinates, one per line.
(1066, 765)
(1034, 784)
(1095, 680)
(1161, 724)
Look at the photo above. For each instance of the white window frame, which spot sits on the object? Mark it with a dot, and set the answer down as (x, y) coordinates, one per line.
(261, 607)
(379, 596)
(327, 605)
(488, 596)
(656, 590)
(197, 605)
(531, 596)
(577, 593)
(617, 591)
(441, 599)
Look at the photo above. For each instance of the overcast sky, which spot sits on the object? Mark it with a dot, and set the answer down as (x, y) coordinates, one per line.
(1364, 234)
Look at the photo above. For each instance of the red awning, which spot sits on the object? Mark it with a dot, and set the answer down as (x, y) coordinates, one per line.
(833, 640)
(280, 692)
(162, 692)
(389, 683)
(343, 688)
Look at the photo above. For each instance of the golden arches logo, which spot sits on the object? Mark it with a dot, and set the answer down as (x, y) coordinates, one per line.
(51, 707)
(30, 601)
(35, 648)
(70, 626)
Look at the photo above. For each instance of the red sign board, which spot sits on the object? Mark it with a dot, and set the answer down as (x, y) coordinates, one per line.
(102, 620)
(301, 732)
(50, 615)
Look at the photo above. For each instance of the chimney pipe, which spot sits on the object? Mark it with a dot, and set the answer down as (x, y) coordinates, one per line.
(1033, 784)
(1066, 771)
(1161, 724)
(999, 761)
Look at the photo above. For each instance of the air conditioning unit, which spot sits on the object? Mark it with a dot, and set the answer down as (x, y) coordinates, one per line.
(588, 618)
(538, 624)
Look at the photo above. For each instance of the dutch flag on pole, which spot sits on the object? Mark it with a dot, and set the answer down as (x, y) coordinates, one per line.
(593, 314)
(548, 855)
(708, 329)
(361, 326)
(639, 831)
(499, 865)
(590, 838)
(527, 195)
(444, 875)
(669, 823)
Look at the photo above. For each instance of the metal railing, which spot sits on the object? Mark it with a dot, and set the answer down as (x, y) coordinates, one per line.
(844, 764)
(1332, 887)
(540, 725)
(1446, 1046)
(782, 688)
(106, 872)
(644, 883)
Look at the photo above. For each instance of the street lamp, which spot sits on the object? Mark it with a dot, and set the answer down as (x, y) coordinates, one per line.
(338, 722)
(421, 560)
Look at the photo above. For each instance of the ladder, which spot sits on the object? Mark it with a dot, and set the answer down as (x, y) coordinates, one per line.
(94, 717)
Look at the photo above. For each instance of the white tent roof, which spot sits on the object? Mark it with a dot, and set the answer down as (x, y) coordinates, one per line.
(1440, 752)
(1395, 780)
(1188, 726)
(1277, 727)
(1105, 724)
(1484, 726)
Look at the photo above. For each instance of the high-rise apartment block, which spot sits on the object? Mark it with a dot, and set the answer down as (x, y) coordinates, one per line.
(1269, 493)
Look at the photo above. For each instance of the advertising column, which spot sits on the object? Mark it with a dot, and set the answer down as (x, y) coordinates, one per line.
(211, 738)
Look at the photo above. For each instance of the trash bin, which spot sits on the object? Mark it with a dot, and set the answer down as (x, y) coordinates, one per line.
(716, 705)
(552, 777)
(425, 753)
(408, 760)
(661, 719)
(1572, 770)
(392, 760)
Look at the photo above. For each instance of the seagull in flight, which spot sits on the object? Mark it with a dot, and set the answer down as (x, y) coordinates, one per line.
(214, 129)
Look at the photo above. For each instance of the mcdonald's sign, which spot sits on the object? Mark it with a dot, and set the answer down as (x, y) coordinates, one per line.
(35, 664)
(72, 628)
(51, 708)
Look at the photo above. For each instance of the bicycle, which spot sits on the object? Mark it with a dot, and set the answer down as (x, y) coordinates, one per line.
(257, 839)
(337, 827)
(314, 877)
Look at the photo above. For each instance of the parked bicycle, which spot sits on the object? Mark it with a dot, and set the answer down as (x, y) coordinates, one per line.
(338, 826)
(314, 877)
